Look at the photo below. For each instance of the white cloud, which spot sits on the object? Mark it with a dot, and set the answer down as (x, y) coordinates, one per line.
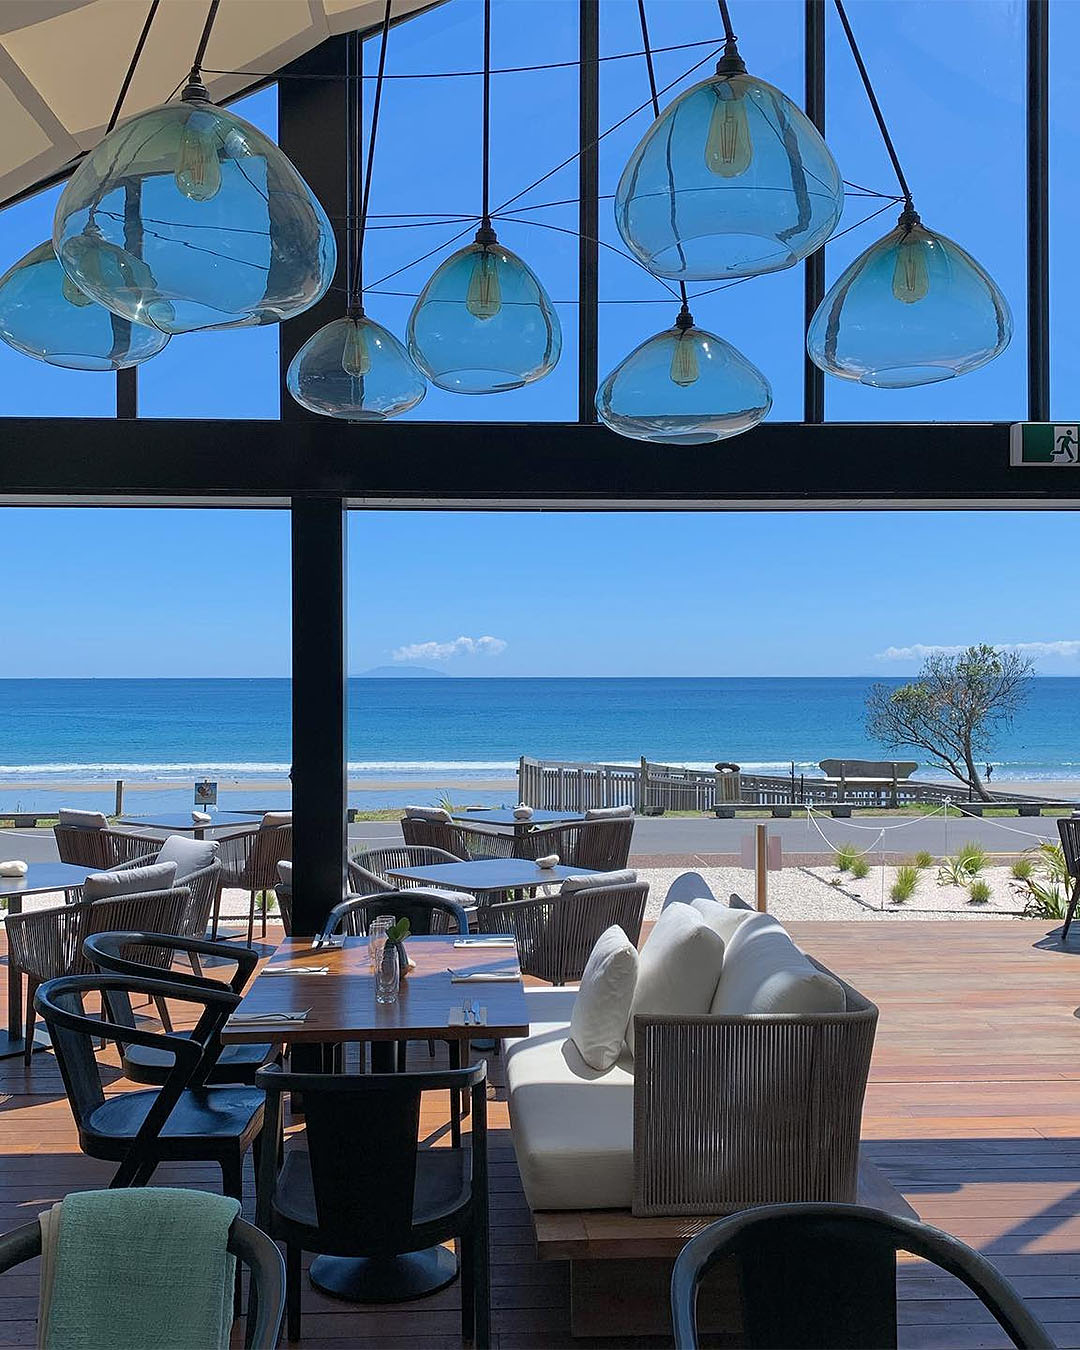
(1067, 649)
(445, 651)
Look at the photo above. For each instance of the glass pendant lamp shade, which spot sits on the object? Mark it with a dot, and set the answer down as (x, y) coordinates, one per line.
(357, 370)
(188, 217)
(913, 309)
(484, 323)
(44, 314)
(731, 180)
(684, 386)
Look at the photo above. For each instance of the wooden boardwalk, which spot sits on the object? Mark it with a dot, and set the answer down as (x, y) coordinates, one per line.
(973, 1112)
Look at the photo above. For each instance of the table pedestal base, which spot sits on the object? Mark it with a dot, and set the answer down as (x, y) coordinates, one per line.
(393, 1279)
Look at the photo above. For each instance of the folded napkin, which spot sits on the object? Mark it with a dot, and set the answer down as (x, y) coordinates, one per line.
(296, 970)
(239, 1019)
(483, 977)
(14, 868)
(201, 817)
(549, 861)
(522, 812)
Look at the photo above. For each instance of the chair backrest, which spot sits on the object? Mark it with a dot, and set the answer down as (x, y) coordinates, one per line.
(251, 1248)
(132, 953)
(602, 845)
(426, 913)
(825, 1276)
(368, 867)
(249, 858)
(556, 934)
(83, 846)
(283, 893)
(362, 1133)
(425, 833)
(1069, 830)
(73, 1033)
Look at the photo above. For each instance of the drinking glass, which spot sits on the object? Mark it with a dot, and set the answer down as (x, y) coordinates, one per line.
(387, 974)
(377, 932)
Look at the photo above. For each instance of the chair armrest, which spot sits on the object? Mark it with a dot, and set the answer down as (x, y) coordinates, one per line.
(41, 939)
(758, 1109)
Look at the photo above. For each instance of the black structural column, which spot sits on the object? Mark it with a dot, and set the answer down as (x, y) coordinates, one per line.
(588, 212)
(1038, 209)
(319, 708)
(312, 134)
(814, 266)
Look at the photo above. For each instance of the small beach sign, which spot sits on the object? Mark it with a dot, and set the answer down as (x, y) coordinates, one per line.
(1044, 444)
(206, 792)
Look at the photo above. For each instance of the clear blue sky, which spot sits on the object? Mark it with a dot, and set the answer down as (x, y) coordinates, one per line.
(134, 592)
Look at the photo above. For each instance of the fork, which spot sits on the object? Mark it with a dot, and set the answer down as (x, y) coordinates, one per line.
(468, 1008)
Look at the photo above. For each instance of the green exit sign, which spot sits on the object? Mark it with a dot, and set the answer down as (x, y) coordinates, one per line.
(1046, 444)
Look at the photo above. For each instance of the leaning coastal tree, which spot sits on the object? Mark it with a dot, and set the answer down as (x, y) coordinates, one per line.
(952, 708)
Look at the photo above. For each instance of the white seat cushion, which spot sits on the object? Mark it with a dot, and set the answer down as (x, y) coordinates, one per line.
(275, 818)
(86, 820)
(590, 880)
(678, 968)
(189, 855)
(689, 886)
(609, 813)
(284, 871)
(602, 1007)
(573, 1126)
(436, 813)
(764, 972)
(129, 881)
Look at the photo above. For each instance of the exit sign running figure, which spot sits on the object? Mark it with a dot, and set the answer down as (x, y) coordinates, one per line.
(1046, 444)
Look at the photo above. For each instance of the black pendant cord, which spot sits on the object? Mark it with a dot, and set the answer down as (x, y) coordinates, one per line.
(731, 48)
(366, 199)
(485, 152)
(875, 105)
(130, 75)
(685, 319)
(195, 77)
(353, 97)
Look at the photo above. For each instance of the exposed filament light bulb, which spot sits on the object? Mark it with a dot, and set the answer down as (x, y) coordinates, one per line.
(685, 369)
(728, 146)
(483, 298)
(911, 275)
(356, 355)
(198, 172)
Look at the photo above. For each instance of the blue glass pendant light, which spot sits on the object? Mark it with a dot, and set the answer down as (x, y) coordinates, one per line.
(43, 314)
(353, 368)
(684, 386)
(188, 217)
(915, 308)
(483, 323)
(731, 180)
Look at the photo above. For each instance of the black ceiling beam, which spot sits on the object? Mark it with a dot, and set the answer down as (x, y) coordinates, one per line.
(455, 463)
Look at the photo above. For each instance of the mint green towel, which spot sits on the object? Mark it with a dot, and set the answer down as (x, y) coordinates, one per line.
(139, 1269)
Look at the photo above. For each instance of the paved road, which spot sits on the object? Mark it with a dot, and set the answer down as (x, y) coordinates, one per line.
(687, 835)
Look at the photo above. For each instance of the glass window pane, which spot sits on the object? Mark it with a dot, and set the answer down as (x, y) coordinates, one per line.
(232, 373)
(950, 78)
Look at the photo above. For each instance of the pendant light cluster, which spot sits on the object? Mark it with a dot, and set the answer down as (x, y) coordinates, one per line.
(188, 218)
(185, 218)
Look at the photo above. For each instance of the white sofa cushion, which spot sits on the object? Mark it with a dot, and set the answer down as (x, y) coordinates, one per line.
(272, 819)
(189, 855)
(436, 813)
(722, 919)
(572, 1126)
(686, 887)
(86, 820)
(590, 880)
(129, 881)
(609, 812)
(678, 967)
(764, 972)
(602, 1007)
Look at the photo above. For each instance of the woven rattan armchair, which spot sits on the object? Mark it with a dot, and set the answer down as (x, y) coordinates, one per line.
(249, 861)
(100, 850)
(368, 868)
(204, 887)
(596, 845)
(46, 943)
(463, 842)
(556, 934)
(755, 1109)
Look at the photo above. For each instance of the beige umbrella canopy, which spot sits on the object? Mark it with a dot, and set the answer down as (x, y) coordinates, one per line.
(62, 63)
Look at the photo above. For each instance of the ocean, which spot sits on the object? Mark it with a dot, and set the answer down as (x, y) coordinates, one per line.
(422, 732)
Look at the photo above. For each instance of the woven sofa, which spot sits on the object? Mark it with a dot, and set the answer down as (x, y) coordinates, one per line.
(712, 1112)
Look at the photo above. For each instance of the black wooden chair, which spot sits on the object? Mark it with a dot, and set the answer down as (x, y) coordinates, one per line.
(119, 954)
(1069, 829)
(369, 1199)
(824, 1276)
(266, 1299)
(180, 1122)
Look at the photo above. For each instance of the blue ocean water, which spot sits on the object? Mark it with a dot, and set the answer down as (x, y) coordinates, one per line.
(472, 730)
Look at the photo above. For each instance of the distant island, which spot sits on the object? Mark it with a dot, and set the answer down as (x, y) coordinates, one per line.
(401, 673)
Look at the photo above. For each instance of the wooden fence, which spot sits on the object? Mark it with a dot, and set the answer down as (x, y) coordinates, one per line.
(560, 786)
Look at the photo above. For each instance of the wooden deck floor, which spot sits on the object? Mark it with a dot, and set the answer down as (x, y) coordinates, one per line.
(973, 1112)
